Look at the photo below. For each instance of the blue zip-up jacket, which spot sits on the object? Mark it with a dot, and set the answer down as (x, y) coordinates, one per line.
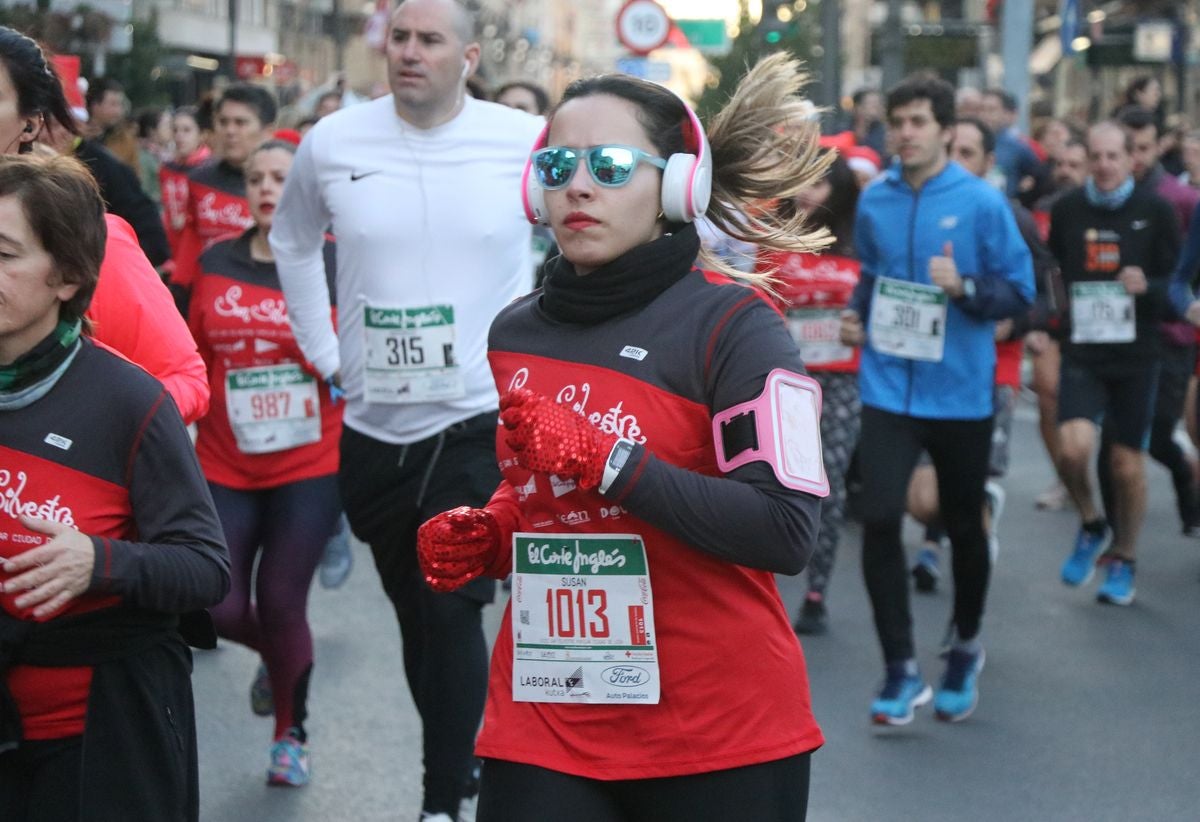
(896, 233)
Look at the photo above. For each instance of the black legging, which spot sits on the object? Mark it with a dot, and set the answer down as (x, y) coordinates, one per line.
(888, 450)
(770, 792)
(388, 491)
(285, 529)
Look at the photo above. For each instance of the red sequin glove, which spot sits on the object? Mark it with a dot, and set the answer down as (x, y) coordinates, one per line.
(552, 439)
(457, 546)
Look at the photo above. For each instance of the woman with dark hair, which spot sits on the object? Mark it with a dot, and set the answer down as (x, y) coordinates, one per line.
(269, 449)
(31, 96)
(1145, 92)
(108, 537)
(661, 461)
(153, 147)
(132, 310)
(41, 109)
(831, 204)
(815, 288)
(190, 152)
(528, 97)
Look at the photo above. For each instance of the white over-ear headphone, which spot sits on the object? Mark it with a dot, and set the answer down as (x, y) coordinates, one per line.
(686, 181)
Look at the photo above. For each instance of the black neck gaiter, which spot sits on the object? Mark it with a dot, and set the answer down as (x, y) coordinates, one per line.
(629, 282)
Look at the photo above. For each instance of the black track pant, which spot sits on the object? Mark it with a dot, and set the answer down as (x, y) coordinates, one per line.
(1177, 365)
(388, 491)
(888, 450)
(771, 792)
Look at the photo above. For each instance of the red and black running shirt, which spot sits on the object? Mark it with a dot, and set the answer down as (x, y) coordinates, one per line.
(106, 452)
(216, 208)
(173, 182)
(239, 319)
(734, 683)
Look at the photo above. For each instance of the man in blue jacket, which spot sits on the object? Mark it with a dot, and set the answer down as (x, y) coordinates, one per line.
(1016, 163)
(942, 260)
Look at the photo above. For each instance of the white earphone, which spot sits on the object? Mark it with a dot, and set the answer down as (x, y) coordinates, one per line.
(466, 68)
(686, 181)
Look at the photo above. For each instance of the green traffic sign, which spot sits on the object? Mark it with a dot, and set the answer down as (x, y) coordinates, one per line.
(707, 36)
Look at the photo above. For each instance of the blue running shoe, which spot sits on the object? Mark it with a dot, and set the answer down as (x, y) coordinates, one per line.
(1079, 567)
(926, 572)
(1117, 588)
(901, 694)
(958, 692)
(289, 763)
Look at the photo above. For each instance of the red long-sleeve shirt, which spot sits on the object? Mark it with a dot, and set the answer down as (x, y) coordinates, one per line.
(173, 181)
(132, 313)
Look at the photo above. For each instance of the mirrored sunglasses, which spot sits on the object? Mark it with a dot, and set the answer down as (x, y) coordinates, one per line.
(610, 166)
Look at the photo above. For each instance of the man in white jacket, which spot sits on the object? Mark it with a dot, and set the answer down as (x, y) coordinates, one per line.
(422, 189)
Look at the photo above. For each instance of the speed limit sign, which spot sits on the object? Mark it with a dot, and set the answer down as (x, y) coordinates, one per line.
(642, 26)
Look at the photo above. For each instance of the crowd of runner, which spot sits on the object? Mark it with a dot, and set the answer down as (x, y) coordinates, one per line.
(417, 319)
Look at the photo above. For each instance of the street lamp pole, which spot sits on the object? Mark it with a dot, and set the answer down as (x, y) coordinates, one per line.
(339, 37)
(233, 24)
(831, 57)
(1016, 43)
(892, 41)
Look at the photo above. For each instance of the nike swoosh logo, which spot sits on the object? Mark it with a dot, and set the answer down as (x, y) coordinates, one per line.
(355, 176)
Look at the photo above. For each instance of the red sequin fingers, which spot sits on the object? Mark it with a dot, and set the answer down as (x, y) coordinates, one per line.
(552, 439)
(457, 546)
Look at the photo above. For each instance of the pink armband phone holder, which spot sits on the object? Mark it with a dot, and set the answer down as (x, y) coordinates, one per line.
(781, 427)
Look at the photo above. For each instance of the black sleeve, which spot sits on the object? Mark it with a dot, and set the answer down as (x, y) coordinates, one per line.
(180, 562)
(1043, 260)
(860, 298)
(124, 196)
(746, 517)
(1044, 265)
(1058, 225)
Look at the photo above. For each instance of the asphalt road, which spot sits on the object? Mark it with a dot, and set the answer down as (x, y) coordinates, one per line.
(1087, 712)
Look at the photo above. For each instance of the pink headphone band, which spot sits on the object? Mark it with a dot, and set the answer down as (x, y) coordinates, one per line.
(538, 144)
(695, 130)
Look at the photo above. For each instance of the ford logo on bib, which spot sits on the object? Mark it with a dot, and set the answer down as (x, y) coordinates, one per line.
(625, 676)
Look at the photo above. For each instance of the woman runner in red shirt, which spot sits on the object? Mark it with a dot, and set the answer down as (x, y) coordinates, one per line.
(656, 423)
(816, 288)
(190, 152)
(269, 450)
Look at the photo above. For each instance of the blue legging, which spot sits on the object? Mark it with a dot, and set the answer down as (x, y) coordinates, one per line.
(291, 523)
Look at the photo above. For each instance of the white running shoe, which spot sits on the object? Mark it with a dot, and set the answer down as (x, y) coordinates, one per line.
(994, 496)
(1053, 498)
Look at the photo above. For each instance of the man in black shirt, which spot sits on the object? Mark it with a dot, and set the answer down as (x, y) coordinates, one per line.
(1117, 246)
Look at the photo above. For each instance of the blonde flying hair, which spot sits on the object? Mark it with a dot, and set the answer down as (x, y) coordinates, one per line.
(765, 149)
